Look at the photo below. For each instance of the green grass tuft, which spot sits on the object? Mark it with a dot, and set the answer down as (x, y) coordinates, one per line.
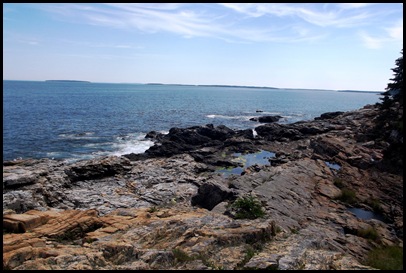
(386, 258)
(368, 233)
(338, 182)
(181, 256)
(375, 204)
(347, 196)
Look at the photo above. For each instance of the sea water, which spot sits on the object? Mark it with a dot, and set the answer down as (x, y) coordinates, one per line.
(81, 120)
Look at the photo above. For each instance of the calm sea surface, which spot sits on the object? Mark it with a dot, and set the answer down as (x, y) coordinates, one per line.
(79, 120)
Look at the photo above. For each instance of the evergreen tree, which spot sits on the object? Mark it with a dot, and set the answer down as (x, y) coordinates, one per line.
(389, 123)
(394, 90)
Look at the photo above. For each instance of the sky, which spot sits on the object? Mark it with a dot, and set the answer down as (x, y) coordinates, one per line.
(335, 46)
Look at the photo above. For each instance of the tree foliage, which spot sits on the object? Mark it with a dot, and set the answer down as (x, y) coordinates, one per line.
(389, 123)
(394, 89)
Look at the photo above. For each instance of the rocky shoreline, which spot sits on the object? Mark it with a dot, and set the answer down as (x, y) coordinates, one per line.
(169, 208)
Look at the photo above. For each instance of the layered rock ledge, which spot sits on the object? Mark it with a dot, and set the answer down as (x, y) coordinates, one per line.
(169, 208)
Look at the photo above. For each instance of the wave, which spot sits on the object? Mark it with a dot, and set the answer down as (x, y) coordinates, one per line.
(79, 157)
(264, 113)
(136, 147)
(117, 146)
(132, 143)
(252, 115)
(84, 135)
(229, 117)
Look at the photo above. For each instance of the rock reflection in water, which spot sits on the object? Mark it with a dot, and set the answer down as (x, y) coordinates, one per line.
(259, 158)
(333, 166)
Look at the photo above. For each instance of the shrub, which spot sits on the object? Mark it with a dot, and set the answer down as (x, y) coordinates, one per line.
(374, 204)
(249, 253)
(347, 196)
(368, 233)
(248, 208)
(386, 258)
(338, 182)
(181, 256)
(153, 209)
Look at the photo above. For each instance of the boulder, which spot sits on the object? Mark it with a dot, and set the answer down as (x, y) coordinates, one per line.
(210, 195)
(329, 115)
(97, 168)
(266, 119)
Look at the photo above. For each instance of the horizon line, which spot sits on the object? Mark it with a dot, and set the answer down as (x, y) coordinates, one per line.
(206, 85)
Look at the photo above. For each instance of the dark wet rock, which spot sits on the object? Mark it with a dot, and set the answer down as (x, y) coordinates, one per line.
(95, 169)
(329, 115)
(313, 130)
(180, 140)
(278, 132)
(220, 132)
(136, 157)
(152, 134)
(247, 133)
(210, 195)
(266, 119)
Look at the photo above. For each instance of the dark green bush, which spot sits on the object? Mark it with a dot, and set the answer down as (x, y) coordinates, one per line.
(248, 208)
(386, 258)
(181, 256)
(347, 196)
(338, 182)
(368, 233)
(375, 204)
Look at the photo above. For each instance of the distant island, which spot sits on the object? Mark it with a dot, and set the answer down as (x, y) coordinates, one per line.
(260, 87)
(214, 85)
(230, 86)
(66, 81)
(357, 91)
(238, 86)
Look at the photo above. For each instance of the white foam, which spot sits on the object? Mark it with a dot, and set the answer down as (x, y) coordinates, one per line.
(52, 154)
(268, 113)
(136, 147)
(78, 157)
(85, 135)
(91, 145)
(133, 143)
(229, 117)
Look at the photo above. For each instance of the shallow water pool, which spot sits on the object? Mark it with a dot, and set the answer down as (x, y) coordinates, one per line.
(260, 158)
(366, 215)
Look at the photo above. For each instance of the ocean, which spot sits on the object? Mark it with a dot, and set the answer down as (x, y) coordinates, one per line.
(72, 120)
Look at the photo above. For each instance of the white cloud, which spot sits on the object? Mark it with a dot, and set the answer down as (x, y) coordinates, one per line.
(28, 41)
(316, 14)
(354, 5)
(393, 34)
(186, 20)
(260, 21)
(396, 31)
(371, 42)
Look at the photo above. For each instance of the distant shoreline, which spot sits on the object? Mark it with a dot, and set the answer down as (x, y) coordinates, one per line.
(66, 81)
(358, 91)
(220, 85)
(262, 87)
(216, 85)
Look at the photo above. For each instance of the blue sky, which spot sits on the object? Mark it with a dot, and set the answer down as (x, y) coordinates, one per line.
(286, 45)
